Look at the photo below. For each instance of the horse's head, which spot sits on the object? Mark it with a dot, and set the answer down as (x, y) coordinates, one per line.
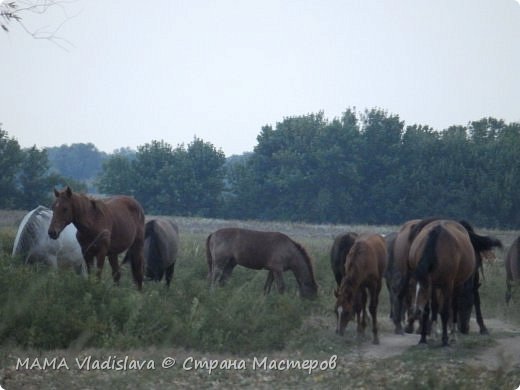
(309, 290)
(62, 212)
(344, 309)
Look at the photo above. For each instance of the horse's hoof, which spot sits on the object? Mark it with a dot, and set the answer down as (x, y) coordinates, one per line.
(484, 331)
(375, 341)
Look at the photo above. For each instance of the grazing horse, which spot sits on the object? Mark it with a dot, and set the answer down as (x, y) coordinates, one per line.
(396, 272)
(106, 227)
(274, 251)
(444, 260)
(338, 254)
(161, 245)
(512, 264)
(364, 269)
(33, 244)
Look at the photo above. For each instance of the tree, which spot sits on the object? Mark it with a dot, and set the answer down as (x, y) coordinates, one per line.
(15, 11)
(11, 157)
(34, 180)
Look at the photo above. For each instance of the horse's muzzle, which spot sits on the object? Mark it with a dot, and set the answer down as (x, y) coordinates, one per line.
(53, 234)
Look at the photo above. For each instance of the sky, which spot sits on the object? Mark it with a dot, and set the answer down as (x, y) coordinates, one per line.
(123, 73)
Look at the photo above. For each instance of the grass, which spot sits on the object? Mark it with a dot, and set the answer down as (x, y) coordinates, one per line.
(57, 313)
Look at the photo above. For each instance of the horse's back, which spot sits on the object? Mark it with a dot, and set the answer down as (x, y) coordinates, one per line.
(369, 250)
(250, 248)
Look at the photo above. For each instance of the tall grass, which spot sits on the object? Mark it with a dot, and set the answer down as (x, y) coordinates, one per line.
(48, 309)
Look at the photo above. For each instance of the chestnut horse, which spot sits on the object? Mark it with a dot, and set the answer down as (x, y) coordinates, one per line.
(274, 251)
(444, 259)
(106, 227)
(364, 269)
(512, 264)
(338, 254)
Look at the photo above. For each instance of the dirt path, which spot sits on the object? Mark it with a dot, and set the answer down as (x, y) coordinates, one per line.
(504, 354)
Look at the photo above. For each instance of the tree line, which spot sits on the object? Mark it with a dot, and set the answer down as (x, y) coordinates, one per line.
(363, 167)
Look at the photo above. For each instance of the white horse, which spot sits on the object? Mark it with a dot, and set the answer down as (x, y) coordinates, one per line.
(32, 243)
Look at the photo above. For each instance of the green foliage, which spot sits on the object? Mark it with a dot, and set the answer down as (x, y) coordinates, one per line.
(166, 180)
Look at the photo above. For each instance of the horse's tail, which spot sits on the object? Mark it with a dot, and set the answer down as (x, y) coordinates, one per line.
(480, 243)
(209, 258)
(429, 255)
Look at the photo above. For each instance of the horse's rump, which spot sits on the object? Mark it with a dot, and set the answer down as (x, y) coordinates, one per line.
(161, 244)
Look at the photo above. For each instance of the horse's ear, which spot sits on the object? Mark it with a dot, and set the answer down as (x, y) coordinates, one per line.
(68, 191)
(56, 193)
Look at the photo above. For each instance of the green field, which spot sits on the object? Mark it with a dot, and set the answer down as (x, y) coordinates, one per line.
(58, 330)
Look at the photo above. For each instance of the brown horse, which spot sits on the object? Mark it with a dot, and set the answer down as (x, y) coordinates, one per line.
(396, 271)
(274, 251)
(338, 254)
(161, 245)
(444, 259)
(512, 264)
(364, 269)
(106, 227)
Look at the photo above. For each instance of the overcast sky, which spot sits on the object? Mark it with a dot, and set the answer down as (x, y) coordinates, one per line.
(138, 71)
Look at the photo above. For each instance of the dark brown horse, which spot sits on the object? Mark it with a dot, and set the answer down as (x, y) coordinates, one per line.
(161, 245)
(512, 264)
(274, 251)
(398, 250)
(338, 254)
(364, 269)
(106, 227)
(444, 260)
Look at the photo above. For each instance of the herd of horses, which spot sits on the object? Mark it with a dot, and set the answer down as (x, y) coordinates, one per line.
(431, 266)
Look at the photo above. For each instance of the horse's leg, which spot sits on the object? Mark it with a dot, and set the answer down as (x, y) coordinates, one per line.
(100, 257)
(169, 274)
(268, 283)
(278, 279)
(447, 306)
(374, 297)
(114, 264)
(136, 253)
(508, 290)
(424, 320)
(478, 312)
(226, 272)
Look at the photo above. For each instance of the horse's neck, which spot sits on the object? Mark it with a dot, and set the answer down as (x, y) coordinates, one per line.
(84, 217)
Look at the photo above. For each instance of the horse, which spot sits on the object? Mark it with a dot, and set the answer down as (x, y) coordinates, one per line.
(444, 259)
(338, 254)
(364, 269)
(161, 245)
(398, 250)
(32, 244)
(512, 264)
(105, 227)
(274, 251)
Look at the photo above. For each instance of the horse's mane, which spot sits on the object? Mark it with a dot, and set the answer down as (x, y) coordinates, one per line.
(429, 257)
(307, 259)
